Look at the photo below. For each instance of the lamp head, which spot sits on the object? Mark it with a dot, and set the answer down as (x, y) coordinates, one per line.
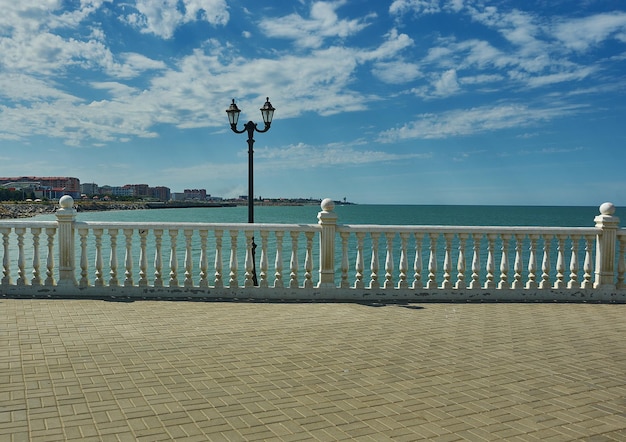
(267, 112)
(233, 113)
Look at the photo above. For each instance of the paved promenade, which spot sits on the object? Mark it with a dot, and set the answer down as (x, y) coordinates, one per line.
(115, 371)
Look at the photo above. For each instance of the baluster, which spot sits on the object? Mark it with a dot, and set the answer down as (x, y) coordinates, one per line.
(249, 261)
(158, 258)
(475, 282)
(188, 259)
(21, 260)
(359, 266)
(263, 265)
(50, 232)
(403, 265)
(99, 261)
(560, 262)
(128, 258)
(490, 267)
(232, 283)
(573, 264)
(432, 262)
(6, 260)
(545, 264)
(374, 284)
(36, 231)
(389, 261)
(518, 266)
(143, 258)
(278, 262)
(173, 258)
(84, 264)
(308, 262)
(113, 258)
(344, 260)
(417, 262)
(587, 265)
(460, 265)
(504, 263)
(532, 262)
(219, 282)
(621, 263)
(447, 262)
(204, 264)
(293, 263)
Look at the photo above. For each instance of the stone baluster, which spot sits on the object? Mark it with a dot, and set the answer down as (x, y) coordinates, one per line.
(204, 262)
(143, 258)
(188, 282)
(278, 261)
(432, 262)
(158, 258)
(99, 260)
(403, 266)
(83, 232)
(518, 265)
(490, 268)
(389, 284)
(359, 265)
(460, 264)
(308, 261)
(573, 264)
(217, 264)
(6, 259)
(344, 260)
(587, 282)
(293, 262)
(263, 262)
(605, 246)
(36, 280)
(249, 260)
(374, 283)
(475, 282)
(621, 262)
(50, 232)
(417, 262)
(21, 259)
(232, 282)
(173, 258)
(128, 258)
(504, 263)
(532, 262)
(447, 261)
(545, 263)
(113, 281)
(559, 283)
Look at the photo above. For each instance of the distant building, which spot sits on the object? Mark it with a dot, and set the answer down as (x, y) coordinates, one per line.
(89, 189)
(53, 187)
(139, 190)
(195, 194)
(161, 193)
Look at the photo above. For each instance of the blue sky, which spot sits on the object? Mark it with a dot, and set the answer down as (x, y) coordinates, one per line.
(517, 102)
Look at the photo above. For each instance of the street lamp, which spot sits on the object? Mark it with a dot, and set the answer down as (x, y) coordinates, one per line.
(267, 112)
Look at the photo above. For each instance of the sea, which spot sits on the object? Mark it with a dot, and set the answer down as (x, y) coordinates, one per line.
(545, 216)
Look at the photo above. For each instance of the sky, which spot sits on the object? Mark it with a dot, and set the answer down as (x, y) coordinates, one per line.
(507, 102)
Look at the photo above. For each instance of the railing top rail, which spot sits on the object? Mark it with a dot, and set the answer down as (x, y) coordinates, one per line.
(196, 226)
(509, 230)
(12, 223)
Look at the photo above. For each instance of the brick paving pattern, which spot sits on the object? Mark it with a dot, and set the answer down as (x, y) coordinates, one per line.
(158, 370)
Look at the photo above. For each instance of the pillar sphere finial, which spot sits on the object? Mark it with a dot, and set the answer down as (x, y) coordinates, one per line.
(66, 202)
(327, 205)
(607, 209)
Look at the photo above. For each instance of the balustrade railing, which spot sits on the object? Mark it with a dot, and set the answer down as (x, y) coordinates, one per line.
(322, 261)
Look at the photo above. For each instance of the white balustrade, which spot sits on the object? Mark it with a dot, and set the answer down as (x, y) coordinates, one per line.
(332, 268)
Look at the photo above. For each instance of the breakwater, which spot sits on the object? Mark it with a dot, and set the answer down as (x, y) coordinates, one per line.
(26, 210)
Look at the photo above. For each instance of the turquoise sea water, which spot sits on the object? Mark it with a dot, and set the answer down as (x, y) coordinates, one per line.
(365, 214)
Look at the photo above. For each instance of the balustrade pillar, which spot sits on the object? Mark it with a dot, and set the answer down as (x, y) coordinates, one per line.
(66, 216)
(605, 246)
(328, 222)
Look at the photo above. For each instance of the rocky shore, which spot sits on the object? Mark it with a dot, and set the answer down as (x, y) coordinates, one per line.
(26, 210)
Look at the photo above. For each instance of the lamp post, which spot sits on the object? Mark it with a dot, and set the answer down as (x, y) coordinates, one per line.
(267, 112)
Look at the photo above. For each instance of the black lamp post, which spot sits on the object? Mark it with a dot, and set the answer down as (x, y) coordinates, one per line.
(267, 112)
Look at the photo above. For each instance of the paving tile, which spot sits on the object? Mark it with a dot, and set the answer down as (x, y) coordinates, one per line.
(94, 370)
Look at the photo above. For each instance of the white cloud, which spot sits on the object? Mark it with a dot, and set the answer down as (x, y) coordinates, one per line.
(396, 72)
(163, 17)
(447, 84)
(472, 121)
(583, 33)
